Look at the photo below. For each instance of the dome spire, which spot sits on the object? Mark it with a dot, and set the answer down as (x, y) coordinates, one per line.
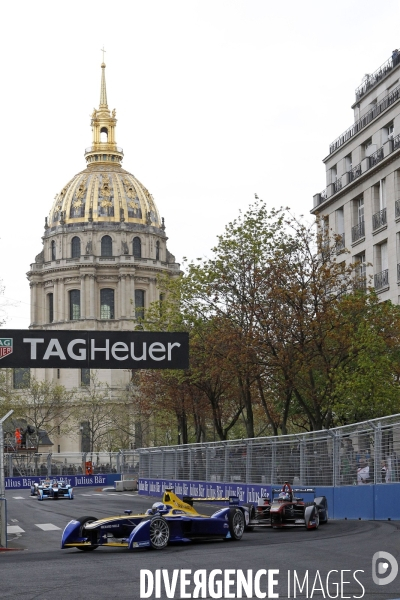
(104, 146)
(103, 89)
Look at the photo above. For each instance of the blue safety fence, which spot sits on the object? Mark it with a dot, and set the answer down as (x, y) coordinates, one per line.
(366, 502)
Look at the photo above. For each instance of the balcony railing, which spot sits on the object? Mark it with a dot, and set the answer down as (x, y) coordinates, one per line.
(381, 280)
(396, 142)
(355, 172)
(340, 243)
(366, 119)
(370, 81)
(376, 157)
(337, 185)
(397, 209)
(358, 231)
(379, 219)
(398, 272)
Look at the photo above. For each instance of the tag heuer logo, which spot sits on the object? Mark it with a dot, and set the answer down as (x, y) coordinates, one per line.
(6, 347)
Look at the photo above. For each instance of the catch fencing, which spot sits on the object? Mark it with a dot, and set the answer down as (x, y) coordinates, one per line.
(26, 463)
(363, 453)
(368, 451)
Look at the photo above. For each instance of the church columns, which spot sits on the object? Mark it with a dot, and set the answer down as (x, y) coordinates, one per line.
(122, 295)
(83, 296)
(132, 293)
(91, 297)
(55, 301)
(33, 287)
(62, 315)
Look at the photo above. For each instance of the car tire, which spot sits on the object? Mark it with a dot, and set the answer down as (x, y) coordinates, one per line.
(236, 523)
(159, 533)
(316, 518)
(252, 516)
(322, 504)
(83, 521)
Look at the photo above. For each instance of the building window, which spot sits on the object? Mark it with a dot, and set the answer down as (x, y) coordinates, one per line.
(53, 250)
(58, 374)
(74, 305)
(388, 132)
(85, 376)
(106, 246)
(381, 266)
(75, 247)
(360, 271)
(50, 307)
(379, 217)
(107, 304)
(137, 247)
(21, 378)
(340, 241)
(347, 163)
(358, 229)
(157, 250)
(139, 304)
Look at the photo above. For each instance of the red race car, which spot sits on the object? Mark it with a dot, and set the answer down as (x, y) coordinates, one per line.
(287, 510)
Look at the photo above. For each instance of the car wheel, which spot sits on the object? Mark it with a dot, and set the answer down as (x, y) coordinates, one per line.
(159, 533)
(236, 523)
(252, 516)
(83, 533)
(315, 517)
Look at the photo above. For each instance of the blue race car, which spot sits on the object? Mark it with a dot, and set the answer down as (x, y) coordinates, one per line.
(53, 489)
(171, 520)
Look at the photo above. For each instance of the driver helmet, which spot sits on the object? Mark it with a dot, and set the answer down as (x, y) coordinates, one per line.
(159, 507)
(284, 497)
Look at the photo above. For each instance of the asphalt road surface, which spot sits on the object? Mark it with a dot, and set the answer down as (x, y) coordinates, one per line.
(36, 567)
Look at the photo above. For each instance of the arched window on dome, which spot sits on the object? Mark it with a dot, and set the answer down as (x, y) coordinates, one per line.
(137, 247)
(75, 247)
(104, 135)
(157, 250)
(107, 304)
(106, 246)
(53, 250)
(74, 305)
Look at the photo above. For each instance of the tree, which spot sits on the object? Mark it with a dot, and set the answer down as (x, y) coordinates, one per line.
(45, 406)
(277, 320)
(95, 411)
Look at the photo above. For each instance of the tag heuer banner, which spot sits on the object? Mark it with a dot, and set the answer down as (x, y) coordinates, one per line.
(93, 349)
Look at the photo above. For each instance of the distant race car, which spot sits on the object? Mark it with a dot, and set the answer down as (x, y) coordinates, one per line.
(169, 521)
(52, 489)
(287, 510)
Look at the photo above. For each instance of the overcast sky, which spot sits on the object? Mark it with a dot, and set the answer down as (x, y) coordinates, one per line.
(216, 100)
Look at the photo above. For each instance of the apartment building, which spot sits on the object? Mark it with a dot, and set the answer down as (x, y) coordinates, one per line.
(361, 201)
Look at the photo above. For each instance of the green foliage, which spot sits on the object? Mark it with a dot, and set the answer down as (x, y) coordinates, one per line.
(281, 338)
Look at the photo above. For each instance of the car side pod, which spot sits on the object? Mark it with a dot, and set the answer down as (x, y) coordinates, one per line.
(311, 517)
(71, 533)
(140, 536)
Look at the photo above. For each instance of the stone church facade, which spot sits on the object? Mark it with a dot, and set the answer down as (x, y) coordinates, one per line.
(104, 245)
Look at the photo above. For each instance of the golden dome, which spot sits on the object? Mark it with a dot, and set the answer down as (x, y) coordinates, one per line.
(104, 192)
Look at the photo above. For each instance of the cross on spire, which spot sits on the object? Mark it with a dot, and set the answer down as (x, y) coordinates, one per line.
(102, 50)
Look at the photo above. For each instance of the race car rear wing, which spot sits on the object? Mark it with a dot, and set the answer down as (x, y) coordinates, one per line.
(303, 490)
(233, 500)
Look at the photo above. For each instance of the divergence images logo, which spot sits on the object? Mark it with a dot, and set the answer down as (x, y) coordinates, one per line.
(381, 561)
(6, 347)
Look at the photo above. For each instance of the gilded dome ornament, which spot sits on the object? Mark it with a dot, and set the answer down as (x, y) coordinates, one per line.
(104, 187)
